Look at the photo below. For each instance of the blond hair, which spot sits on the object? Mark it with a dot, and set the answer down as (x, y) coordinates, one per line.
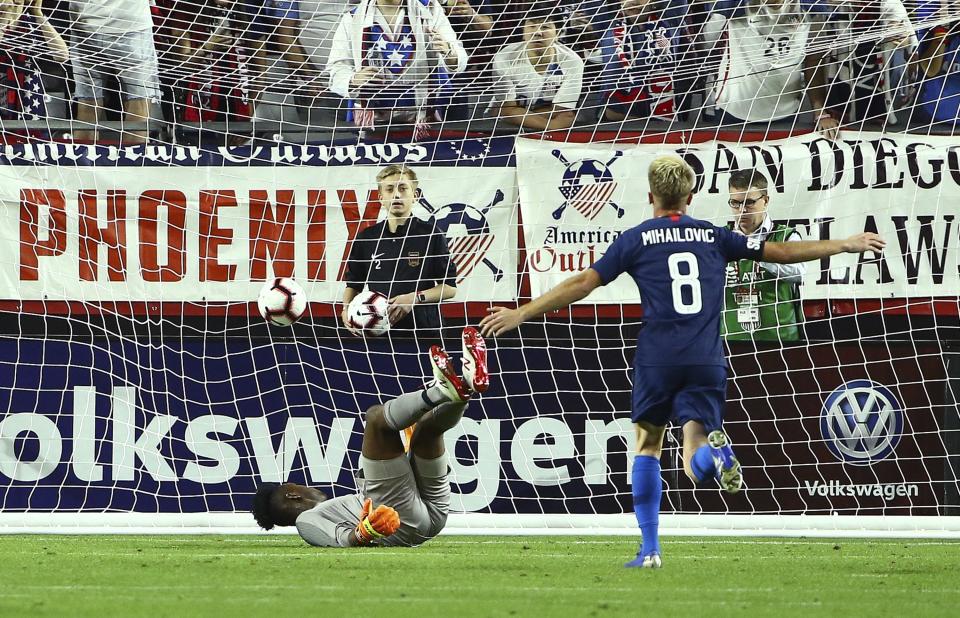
(396, 170)
(671, 180)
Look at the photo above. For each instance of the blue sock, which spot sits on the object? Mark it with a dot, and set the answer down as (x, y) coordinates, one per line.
(647, 489)
(702, 463)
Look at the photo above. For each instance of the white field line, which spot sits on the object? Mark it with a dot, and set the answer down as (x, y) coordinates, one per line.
(386, 554)
(515, 540)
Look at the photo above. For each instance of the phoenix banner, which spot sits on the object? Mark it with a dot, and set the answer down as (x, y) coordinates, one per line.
(106, 224)
(577, 198)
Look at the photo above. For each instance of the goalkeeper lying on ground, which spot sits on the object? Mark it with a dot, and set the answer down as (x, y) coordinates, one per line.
(403, 497)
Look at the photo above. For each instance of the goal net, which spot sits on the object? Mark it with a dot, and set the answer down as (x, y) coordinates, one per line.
(162, 161)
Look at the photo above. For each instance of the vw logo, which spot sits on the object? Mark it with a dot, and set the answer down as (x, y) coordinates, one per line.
(861, 422)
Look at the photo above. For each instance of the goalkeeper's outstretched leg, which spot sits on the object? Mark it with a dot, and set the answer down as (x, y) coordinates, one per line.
(403, 497)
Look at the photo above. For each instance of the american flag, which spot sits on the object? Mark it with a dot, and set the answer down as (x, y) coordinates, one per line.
(590, 199)
(468, 251)
(21, 87)
(31, 98)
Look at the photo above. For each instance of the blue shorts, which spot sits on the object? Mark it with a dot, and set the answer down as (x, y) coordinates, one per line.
(680, 394)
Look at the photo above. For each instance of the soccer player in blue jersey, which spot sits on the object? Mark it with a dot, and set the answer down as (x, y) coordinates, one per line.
(680, 372)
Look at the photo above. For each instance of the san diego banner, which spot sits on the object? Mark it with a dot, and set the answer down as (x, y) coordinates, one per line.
(577, 198)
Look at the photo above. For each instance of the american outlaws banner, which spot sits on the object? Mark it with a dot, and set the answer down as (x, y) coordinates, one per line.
(177, 224)
(576, 199)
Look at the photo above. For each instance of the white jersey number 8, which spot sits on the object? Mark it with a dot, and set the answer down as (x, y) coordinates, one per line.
(690, 280)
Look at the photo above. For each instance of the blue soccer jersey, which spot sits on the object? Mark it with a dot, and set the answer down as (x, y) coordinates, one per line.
(679, 264)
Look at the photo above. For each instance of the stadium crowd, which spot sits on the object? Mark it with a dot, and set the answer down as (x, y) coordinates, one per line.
(366, 65)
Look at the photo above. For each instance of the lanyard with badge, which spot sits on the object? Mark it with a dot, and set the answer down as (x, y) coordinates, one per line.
(746, 296)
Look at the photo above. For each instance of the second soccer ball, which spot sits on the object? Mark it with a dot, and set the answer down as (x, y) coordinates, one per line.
(367, 313)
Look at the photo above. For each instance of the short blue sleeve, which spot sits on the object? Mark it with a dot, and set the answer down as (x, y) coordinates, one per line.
(615, 261)
(736, 246)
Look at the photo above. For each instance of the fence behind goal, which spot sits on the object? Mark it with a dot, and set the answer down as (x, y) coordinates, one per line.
(141, 390)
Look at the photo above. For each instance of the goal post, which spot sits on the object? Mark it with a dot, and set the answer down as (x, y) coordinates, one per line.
(140, 390)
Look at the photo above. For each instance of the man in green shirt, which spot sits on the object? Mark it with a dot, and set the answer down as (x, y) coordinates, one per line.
(762, 298)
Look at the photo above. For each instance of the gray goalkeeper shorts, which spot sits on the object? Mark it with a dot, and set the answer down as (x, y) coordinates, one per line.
(419, 490)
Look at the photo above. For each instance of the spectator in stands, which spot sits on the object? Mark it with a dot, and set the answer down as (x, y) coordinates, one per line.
(773, 53)
(762, 298)
(318, 22)
(646, 55)
(938, 98)
(209, 59)
(114, 39)
(389, 57)
(538, 81)
(580, 23)
(473, 22)
(26, 38)
(867, 58)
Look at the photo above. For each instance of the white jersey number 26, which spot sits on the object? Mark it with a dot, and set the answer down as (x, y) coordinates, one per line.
(690, 280)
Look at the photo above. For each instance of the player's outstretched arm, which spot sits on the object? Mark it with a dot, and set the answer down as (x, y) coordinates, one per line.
(806, 250)
(569, 291)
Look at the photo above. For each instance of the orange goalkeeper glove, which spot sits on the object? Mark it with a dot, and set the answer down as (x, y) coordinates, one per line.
(376, 523)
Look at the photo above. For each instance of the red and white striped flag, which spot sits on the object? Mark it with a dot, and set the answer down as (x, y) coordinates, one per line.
(590, 199)
(363, 117)
(468, 251)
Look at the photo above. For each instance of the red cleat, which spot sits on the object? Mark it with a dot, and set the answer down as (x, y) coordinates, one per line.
(474, 362)
(446, 377)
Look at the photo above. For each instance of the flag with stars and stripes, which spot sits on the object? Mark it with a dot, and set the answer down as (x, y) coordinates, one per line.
(22, 96)
(32, 105)
(392, 55)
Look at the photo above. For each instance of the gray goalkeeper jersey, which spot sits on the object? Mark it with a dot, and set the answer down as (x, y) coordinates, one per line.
(329, 523)
(417, 488)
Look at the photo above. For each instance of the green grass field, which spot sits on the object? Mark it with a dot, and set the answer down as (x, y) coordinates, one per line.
(277, 576)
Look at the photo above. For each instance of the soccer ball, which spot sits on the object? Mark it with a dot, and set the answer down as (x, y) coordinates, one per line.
(282, 301)
(367, 313)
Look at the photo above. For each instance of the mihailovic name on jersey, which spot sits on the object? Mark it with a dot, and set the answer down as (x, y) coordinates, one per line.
(675, 234)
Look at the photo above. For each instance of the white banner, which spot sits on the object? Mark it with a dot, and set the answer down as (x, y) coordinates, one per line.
(158, 233)
(577, 198)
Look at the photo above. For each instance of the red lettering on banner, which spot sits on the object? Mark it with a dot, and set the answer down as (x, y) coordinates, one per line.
(351, 214)
(542, 259)
(31, 247)
(176, 263)
(114, 236)
(545, 259)
(271, 234)
(213, 237)
(317, 235)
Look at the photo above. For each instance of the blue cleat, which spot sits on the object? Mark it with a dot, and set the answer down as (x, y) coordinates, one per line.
(650, 561)
(728, 468)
